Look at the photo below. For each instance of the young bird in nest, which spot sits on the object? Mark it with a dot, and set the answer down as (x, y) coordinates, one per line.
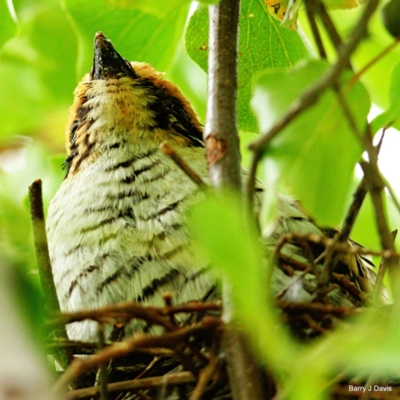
(118, 228)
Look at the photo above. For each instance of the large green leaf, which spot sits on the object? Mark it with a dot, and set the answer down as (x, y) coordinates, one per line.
(136, 35)
(8, 26)
(316, 154)
(231, 243)
(37, 71)
(263, 44)
(159, 8)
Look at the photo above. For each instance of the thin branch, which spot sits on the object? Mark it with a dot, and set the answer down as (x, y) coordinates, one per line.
(159, 382)
(376, 188)
(44, 264)
(183, 165)
(328, 24)
(205, 376)
(310, 8)
(131, 309)
(358, 199)
(381, 275)
(372, 62)
(251, 179)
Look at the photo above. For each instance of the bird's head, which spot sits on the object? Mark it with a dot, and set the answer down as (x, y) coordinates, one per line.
(130, 100)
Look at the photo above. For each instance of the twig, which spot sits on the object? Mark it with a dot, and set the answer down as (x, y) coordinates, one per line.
(205, 376)
(381, 275)
(131, 309)
(44, 264)
(340, 247)
(313, 324)
(343, 281)
(89, 348)
(179, 378)
(149, 367)
(251, 179)
(369, 64)
(358, 199)
(168, 340)
(310, 7)
(328, 24)
(376, 188)
(183, 165)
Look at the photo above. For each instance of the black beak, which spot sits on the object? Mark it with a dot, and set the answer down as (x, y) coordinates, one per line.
(107, 63)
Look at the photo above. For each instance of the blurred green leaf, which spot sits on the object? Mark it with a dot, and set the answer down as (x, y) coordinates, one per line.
(391, 117)
(15, 224)
(37, 73)
(316, 154)
(209, 2)
(158, 8)
(263, 45)
(136, 35)
(230, 241)
(8, 25)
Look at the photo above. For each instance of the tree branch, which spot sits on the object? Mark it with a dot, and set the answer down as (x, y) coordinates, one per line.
(221, 132)
(44, 265)
(223, 158)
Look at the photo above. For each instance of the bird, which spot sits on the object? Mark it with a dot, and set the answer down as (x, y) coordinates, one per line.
(118, 226)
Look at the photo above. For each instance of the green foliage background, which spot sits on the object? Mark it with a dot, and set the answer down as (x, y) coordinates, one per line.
(45, 49)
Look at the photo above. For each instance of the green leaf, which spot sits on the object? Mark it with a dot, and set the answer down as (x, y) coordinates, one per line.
(392, 115)
(136, 35)
(159, 8)
(230, 242)
(342, 4)
(37, 73)
(209, 2)
(316, 154)
(8, 25)
(263, 44)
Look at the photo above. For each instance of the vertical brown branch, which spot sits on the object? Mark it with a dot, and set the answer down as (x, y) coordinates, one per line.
(223, 158)
(43, 261)
(221, 132)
